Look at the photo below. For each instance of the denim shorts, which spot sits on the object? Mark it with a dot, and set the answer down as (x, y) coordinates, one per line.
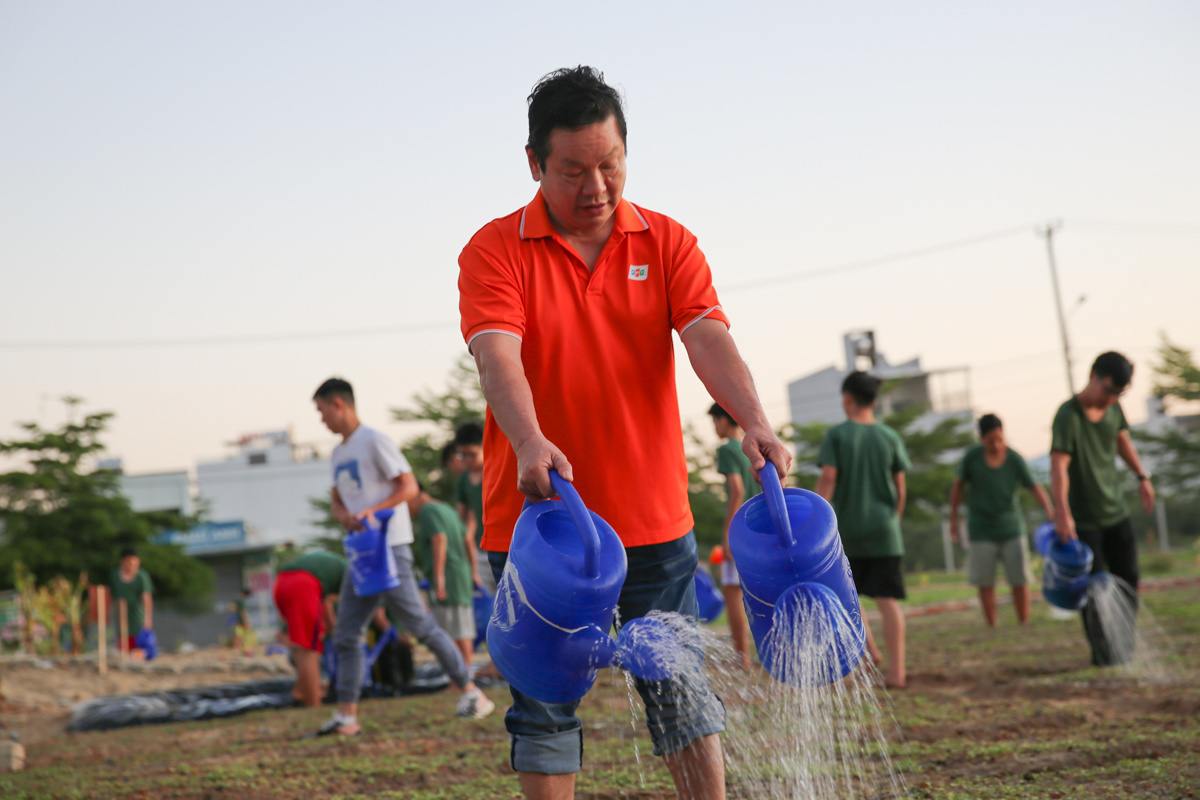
(547, 738)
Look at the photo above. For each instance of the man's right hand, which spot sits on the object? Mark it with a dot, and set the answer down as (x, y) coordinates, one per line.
(349, 521)
(1064, 526)
(535, 458)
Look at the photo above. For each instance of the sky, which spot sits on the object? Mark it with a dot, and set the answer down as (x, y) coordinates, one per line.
(207, 209)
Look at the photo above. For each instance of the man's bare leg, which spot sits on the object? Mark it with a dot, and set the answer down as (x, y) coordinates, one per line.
(1020, 596)
(872, 648)
(537, 786)
(739, 626)
(987, 601)
(308, 677)
(893, 636)
(699, 770)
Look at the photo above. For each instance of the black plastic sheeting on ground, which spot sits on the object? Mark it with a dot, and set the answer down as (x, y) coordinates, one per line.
(225, 700)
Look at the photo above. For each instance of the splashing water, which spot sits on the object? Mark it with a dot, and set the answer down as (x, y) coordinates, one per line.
(783, 742)
(1124, 635)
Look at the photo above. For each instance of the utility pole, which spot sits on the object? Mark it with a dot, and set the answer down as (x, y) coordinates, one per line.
(1048, 232)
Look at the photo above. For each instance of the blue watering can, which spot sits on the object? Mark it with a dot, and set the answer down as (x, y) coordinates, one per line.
(1068, 568)
(796, 584)
(372, 564)
(147, 642)
(554, 605)
(708, 596)
(482, 603)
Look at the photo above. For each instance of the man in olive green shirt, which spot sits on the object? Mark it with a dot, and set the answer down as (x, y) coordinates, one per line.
(1089, 432)
(133, 601)
(468, 500)
(439, 543)
(992, 471)
(862, 475)
(305, 592)
(740, 486)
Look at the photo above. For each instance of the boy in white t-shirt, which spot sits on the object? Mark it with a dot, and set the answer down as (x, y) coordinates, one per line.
(369, 475)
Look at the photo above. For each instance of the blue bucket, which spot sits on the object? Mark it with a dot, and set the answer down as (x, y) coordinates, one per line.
(792, 568)
(708, 596)
(1067, 573)
(482, 604)
(1043, 537)
(555, 603)
(372, 564)
(147, 642)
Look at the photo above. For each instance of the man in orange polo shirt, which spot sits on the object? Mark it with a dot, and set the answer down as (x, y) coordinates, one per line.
(568, 307)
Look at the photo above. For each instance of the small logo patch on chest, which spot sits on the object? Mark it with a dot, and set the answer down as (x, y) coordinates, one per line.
(639, 272)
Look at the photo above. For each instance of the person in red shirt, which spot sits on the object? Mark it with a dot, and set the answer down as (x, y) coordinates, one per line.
(568, 306)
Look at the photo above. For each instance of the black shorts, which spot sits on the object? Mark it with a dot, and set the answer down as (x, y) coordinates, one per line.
(879, 576)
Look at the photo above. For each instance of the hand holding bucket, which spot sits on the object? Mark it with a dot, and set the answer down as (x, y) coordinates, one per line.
(556, 600)
(796, 584)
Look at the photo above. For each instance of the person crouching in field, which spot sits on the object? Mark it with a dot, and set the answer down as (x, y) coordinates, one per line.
(306, 591)
(990, 473)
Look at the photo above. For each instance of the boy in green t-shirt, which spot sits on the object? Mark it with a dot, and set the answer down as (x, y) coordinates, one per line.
(862, 476)
(133, 601)
(468, 500)
(740, 486)
(993, 471)
(439, 543)
(1089, 432)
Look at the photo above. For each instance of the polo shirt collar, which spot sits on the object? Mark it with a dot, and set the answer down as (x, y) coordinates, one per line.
(535, 219)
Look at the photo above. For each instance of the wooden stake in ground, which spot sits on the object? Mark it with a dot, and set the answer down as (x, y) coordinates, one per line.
(102, 628)
(123, 628)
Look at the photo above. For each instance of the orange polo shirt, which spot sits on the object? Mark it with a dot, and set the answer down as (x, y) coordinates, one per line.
(599, 359)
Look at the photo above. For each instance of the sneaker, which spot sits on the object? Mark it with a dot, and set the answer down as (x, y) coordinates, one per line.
(333, 726)
(475, 705)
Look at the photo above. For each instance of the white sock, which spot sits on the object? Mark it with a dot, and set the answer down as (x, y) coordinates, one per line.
(342, 719)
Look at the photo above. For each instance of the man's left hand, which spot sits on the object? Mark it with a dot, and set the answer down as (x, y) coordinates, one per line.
(1146, 492)
(762, 445)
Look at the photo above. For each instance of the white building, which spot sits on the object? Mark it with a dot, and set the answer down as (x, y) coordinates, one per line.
(817, 397)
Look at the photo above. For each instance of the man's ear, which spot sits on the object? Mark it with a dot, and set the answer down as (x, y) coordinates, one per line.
(535, 169)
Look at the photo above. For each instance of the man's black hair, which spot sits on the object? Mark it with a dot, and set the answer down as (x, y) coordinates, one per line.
(335, 387)
(246, 590)
(448, 452)
(862, 388)
(570, 99)
(128, 550)
(717, 412)
(989, 423)
(1115, 367)
(468, 433)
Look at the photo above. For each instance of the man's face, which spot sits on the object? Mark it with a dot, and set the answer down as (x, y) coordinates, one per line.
(584, 176)
(332, 413)
(1105, 390)
(471, 455)
(993, 441)
(722, 427)
(130, 564)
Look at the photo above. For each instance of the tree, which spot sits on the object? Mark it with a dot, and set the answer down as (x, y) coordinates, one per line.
(58, 517)
(461, 401)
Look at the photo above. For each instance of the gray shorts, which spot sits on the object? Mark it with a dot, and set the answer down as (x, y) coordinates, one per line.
(458, 621)
(984, 556)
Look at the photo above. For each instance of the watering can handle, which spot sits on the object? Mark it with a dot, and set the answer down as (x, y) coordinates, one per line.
(777, 505)
(583, 521)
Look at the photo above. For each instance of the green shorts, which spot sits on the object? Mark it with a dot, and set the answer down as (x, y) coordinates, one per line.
(983, 557)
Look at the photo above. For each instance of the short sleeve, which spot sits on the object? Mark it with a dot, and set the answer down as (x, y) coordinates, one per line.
(1122, 424)
(963, 472)
(827, 456)
(689, 285)
(1062, 439)
(725, 461)
(1024, 475)
(490, 296)
(429, 523)
(390, 460)
(147, 584)
(900, 460)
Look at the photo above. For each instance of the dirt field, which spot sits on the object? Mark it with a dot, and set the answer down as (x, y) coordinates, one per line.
(1005, 713)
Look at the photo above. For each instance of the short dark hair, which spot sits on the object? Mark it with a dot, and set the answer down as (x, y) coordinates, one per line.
(570, 99)
(716, 412)
(862, 388)
(448, 452)
(1115, 367)
(335, 387)
(468, 433)
(129, 550)
(989, 423)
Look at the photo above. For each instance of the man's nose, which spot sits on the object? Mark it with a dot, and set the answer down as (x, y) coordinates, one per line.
(594, 184)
